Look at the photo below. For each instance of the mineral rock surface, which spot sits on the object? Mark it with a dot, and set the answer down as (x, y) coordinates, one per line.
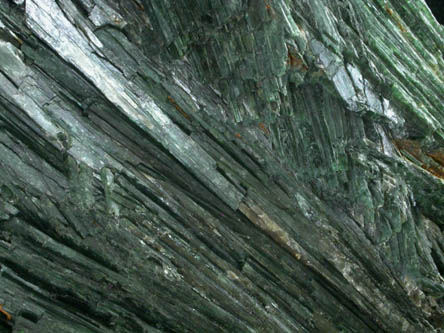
(221, 166)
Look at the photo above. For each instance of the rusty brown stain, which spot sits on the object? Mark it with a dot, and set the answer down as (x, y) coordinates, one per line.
(412, 147)
(397, 21)
(300, 27)
(18, 40)
(264, 128)
(400, 26)
(269, 9)
(388, 10)
(294, 61)
(117, 20)
(437, 156)
(435, 167)
(178, 108)
(139, 5)
(8, 316)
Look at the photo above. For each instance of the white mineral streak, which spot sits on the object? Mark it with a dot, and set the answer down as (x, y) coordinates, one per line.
(93, 38)
(357, 278)
(387, 146)
(26, 99)
(289, 23)
(186, 89)
(46, 19)
(48, 22)
(257, 216)
(356, 76)
(180, 84)
(336, 72)
(12, 63)
(371, 99)
(349, 270)
(344, 86)
(351, 85)
(390, 113)
(82, 138)
(84, 154)
(28, 106)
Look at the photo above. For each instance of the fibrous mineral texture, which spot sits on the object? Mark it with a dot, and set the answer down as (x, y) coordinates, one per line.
(221, 166)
